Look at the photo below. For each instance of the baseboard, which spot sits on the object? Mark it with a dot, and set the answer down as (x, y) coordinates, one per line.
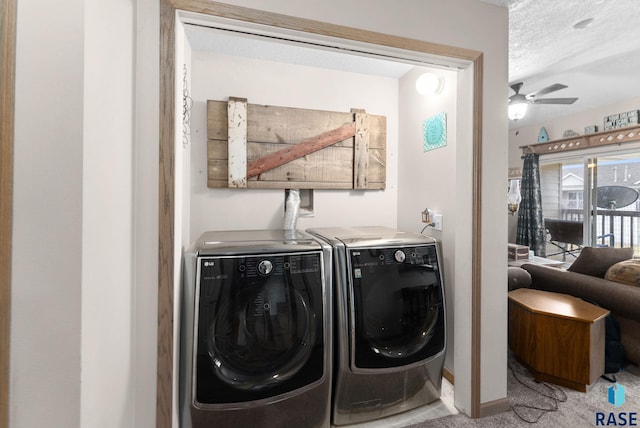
(486, 409)
(448, 376)
(494, 407)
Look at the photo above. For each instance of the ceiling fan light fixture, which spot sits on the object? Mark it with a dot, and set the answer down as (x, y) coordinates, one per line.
(518, 102)
(517, 108)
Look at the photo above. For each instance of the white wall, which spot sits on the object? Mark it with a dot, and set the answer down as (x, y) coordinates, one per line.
(62, 374)
(218, 77)
(72, 307)
(146, 201)
(107, 216)
(47, 216)
(428, 179)
(462, 303)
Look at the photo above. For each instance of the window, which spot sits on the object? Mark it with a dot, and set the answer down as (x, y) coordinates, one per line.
(599, 189)
(573, 200)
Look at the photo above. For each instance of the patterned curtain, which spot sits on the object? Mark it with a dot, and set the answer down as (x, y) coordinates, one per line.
(531, 229)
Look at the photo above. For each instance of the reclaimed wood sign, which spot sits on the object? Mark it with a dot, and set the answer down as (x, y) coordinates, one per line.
(271, 147)
(621, 120)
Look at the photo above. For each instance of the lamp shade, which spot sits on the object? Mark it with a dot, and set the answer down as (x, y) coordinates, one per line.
(514, 197)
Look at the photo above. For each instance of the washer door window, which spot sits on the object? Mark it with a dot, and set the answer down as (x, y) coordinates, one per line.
(260, 327)
(398, 306)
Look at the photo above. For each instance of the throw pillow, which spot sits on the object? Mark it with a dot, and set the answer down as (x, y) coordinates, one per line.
(625, 272)
(595, 261)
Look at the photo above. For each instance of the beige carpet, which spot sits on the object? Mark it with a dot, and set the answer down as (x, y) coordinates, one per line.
(548, 405)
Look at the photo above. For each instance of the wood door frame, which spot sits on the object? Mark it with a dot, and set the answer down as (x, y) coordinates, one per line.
(166, 262)
(7, 98)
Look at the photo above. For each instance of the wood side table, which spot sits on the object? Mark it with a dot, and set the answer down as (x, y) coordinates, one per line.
(559, 338)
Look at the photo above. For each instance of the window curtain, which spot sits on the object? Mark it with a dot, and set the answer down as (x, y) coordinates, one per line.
(531, 231)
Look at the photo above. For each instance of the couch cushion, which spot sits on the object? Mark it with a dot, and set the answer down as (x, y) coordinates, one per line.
(518, 278)
(620, 299)
(625, 272)
(595, 261)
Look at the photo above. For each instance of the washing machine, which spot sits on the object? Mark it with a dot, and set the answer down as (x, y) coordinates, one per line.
(255, 331)
(390, 329)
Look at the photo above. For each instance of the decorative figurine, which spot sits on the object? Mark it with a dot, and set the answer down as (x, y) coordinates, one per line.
(543, 137)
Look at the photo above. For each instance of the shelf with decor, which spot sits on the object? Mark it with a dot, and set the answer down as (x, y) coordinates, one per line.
(598, 139)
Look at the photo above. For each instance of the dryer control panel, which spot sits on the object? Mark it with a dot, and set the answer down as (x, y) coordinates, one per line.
(421, 255)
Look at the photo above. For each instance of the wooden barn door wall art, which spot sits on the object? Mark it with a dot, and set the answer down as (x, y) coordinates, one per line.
(271, 147)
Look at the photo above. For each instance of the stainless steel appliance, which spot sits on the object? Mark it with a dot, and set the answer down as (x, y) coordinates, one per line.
(390, 330)
(255, 331)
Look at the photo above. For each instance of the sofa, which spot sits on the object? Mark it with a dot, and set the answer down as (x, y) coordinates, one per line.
(608, 277)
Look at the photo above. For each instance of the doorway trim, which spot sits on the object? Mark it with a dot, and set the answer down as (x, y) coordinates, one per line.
(166, 225)
(7, 98)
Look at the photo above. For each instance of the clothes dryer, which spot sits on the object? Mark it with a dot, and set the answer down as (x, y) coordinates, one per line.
(390, 330)
(255, 333)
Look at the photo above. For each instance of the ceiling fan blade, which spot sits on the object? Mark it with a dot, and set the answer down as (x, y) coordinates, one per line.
(548, 89)
(554, 101)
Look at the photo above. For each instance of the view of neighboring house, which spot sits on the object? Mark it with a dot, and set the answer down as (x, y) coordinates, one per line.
(622, 173)
(617, 179)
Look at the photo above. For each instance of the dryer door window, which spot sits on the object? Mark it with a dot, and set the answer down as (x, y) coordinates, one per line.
(260, 331)
(398, 310)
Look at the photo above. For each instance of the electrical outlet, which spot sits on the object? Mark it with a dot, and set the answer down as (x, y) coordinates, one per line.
(437, 222)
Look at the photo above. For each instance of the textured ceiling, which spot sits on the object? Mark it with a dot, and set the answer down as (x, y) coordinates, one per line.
(542, 38)
(600, 64)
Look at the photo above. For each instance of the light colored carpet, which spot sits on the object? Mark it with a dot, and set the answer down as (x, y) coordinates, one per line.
(569, 408)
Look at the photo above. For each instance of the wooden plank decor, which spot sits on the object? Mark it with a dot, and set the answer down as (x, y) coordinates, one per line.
(361, 150)
(292, 148)
(237, 131)
(301, 149)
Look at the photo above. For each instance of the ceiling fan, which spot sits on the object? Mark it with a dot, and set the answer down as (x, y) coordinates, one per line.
(518, 102)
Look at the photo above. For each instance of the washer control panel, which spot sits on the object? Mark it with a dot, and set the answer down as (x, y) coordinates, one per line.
(255, 266)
